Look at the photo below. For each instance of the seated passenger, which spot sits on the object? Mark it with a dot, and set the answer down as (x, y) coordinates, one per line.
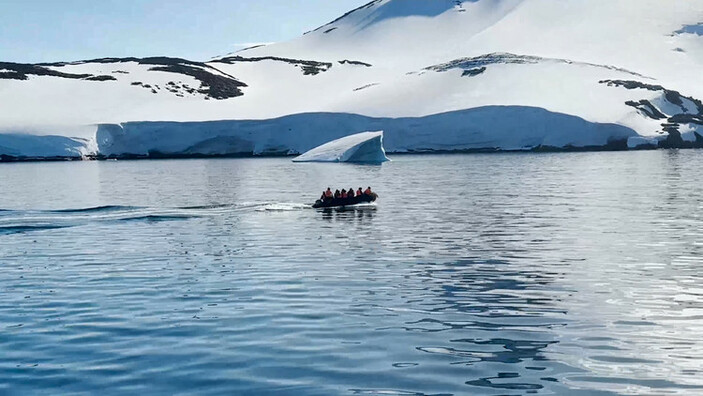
(359, 192)
(350, 194)
(344, 194)
(337, 194)
(368, 191)
(328, 193)
(323, 196)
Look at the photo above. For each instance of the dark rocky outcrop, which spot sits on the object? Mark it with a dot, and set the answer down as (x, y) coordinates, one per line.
(21, 71)
(611, 145)
(629, 84)
(366, 86)
(674, 97)
(213, 82)
(473, 72)
(12, 158)
(352, 62)
(647, 108)
(687, 119)
(483, 61)
(213, 85)
(508, 58)
(154, 60)
(674, 140)
(672, 124)
(101, 78)
(307, 66)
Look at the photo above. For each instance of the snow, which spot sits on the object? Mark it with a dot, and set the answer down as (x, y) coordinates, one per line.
(688, 136)
(669, 108)
(689, 131)
(552, 98)
(364, 147)
(690, 107)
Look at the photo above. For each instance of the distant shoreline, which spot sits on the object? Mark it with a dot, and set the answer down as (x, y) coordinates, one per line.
(162, 156)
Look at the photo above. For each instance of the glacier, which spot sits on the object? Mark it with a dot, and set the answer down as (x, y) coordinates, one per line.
(479, 75)
(15, 146)
(364, 147)
(489, 128)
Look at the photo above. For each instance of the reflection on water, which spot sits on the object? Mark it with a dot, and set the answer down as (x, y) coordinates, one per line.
(348, 215)
(475, 274)
(484, 302)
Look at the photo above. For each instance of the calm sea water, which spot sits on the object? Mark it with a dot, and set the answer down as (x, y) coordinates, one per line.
(504, 274)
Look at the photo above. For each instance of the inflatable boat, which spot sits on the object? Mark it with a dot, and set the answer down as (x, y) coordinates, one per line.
(345, 202)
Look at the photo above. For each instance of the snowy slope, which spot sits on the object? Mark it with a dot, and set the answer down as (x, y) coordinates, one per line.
(596, 72)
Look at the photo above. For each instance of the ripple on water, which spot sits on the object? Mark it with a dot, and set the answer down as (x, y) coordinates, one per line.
(550, 274)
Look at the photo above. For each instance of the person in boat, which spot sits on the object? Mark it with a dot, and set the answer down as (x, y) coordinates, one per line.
(350, 194)
(344, 194)
(328, 193)
(323, 196)
(337, 194)
(359, 192)
(368, 191)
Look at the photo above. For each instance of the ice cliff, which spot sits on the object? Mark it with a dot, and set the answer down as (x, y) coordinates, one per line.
(488, 128)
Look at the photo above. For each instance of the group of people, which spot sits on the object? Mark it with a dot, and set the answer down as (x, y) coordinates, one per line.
(328, 194)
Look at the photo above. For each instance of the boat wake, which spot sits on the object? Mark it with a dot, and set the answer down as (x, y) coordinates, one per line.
(282, 207)
(24, 221)
(96, 209)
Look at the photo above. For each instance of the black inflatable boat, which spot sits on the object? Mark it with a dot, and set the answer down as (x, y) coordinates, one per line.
(345, 202)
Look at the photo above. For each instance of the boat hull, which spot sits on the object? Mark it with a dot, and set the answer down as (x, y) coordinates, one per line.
(345, 202)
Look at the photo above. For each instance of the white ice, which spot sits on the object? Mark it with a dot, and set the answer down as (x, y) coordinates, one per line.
(37, 147)
(366, 147)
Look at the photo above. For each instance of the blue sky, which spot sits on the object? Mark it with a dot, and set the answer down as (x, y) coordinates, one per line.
(62, 30)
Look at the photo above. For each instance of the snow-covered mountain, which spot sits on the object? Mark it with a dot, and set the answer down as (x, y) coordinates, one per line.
(433, 74)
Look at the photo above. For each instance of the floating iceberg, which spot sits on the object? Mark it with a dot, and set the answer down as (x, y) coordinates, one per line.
(362, 147)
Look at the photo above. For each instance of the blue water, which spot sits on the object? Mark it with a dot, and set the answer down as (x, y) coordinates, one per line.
(503, 274)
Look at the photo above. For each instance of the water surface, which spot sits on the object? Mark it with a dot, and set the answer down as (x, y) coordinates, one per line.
(503, 274)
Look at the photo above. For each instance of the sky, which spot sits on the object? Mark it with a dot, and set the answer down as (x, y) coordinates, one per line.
(65, 30)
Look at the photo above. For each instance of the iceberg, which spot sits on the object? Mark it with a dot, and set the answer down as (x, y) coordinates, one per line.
(366, 147)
